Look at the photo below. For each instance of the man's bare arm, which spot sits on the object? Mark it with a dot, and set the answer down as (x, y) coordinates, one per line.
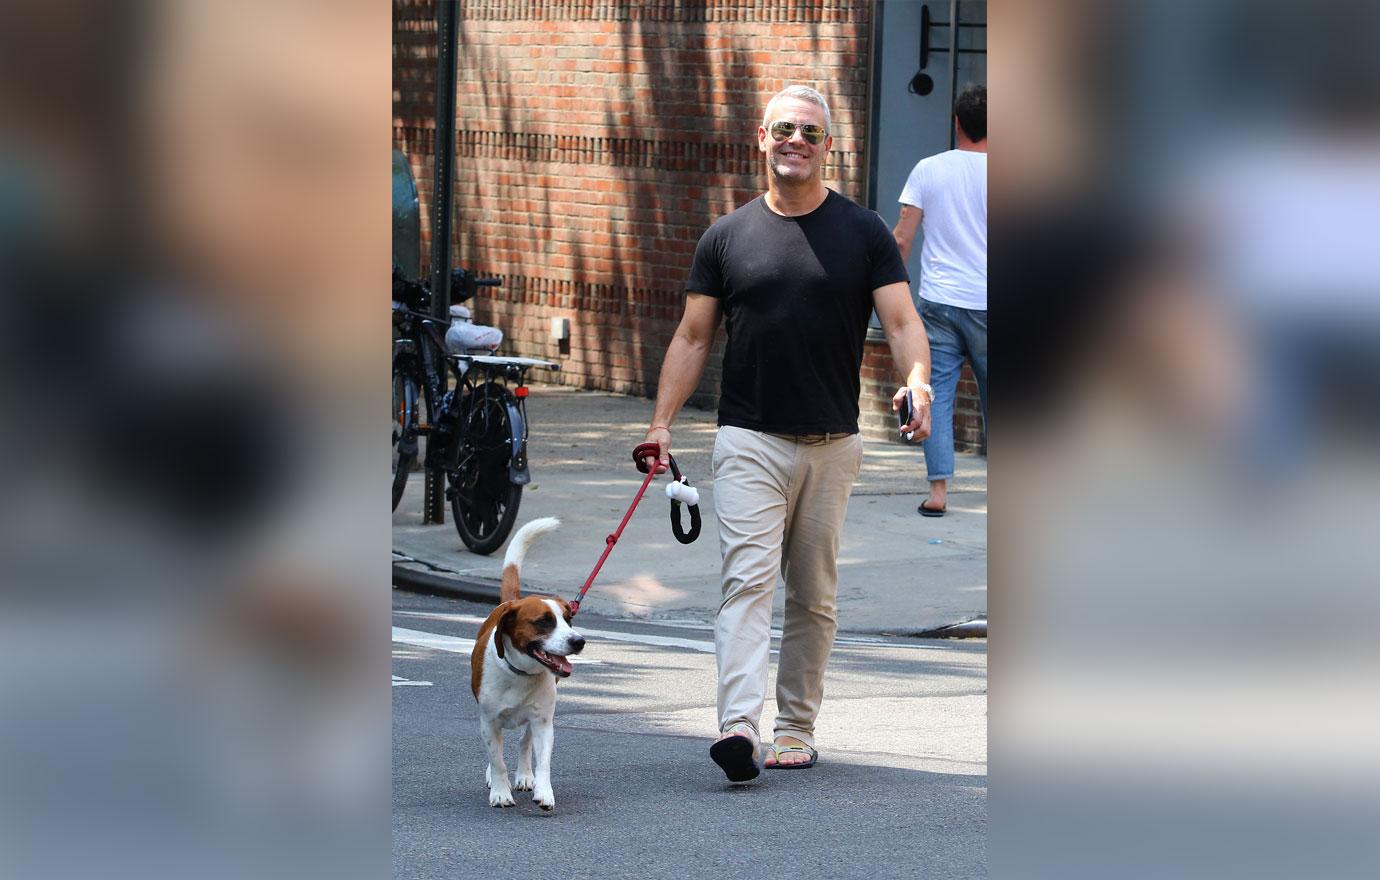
(905, 230)
(683, 366)
(910, 349)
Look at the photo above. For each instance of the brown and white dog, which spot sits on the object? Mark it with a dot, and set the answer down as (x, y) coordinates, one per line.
(521, 650)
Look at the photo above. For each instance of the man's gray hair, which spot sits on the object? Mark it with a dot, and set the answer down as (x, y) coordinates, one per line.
(804, 93)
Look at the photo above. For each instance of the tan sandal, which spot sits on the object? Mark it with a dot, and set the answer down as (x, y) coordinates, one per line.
(777, 751)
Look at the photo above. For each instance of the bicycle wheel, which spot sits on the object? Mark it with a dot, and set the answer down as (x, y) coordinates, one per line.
(483, 499)
(404, 431)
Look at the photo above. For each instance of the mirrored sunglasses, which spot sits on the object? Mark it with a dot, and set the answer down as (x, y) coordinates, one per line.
(783, 130)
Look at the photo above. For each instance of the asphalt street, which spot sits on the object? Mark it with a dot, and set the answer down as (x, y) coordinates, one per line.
(899, 791)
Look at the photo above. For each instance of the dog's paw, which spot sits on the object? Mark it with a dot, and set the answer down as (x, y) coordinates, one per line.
(544, 798)
(524, 782)
(500, 797)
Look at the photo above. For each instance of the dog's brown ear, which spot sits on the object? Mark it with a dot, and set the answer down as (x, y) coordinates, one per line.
(504, 626)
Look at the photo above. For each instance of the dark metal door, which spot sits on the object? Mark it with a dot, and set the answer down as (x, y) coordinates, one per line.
(912, 113)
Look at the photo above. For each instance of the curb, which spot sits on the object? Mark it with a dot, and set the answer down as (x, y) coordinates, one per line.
(968, 629)
(426, 583)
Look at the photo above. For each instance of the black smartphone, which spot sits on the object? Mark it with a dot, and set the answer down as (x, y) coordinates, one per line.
(905, 411)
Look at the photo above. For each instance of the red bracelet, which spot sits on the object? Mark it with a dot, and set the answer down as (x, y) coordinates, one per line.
(654, 427)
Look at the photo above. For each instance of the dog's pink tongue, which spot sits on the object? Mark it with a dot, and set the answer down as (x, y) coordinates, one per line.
(563, 665)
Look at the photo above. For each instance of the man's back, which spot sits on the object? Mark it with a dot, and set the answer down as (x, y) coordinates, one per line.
(951, 189)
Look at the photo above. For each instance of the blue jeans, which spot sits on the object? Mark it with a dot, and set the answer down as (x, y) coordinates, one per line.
(954, 334)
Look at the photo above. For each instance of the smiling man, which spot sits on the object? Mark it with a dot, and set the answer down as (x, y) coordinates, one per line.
(796, 274)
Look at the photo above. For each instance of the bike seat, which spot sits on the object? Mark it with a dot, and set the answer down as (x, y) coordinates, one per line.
(464, 337)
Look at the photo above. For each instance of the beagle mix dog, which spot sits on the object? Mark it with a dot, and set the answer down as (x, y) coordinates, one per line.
(522, 649)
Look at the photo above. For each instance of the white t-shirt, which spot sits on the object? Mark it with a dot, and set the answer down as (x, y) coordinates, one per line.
(951, 188)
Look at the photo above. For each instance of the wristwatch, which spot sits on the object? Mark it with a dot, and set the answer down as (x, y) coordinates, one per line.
(929, 392)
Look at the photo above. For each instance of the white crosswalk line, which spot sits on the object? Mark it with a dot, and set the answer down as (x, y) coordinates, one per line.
(597, 634)
(701, 645)
(454, 644)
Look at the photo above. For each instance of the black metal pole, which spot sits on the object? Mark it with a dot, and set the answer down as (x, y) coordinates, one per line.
(447, 51)
(874, 86)
(953, 69)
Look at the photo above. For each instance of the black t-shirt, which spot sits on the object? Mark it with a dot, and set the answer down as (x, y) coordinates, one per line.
(796, 294)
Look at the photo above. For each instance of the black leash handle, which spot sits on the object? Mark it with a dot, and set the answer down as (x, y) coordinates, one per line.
(694, 522)
(677, 529)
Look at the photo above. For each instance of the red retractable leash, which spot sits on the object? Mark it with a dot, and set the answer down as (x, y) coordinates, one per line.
(640, 454)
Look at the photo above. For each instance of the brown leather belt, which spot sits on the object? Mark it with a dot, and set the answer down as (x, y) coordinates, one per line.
(809, 439)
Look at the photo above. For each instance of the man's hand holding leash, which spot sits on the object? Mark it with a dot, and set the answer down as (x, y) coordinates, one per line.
(661, 436)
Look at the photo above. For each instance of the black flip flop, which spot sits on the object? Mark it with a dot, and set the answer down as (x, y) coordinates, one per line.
(734, 755)
(930, 511)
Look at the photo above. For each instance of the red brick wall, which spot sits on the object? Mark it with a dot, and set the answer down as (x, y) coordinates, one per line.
(597, 139)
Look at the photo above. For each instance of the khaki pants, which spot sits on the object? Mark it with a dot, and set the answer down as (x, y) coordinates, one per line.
(781, 505)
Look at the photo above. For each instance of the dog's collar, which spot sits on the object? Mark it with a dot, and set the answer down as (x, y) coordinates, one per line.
(515, 669)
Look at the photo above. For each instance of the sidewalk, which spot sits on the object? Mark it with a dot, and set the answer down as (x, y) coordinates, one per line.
(899, 573)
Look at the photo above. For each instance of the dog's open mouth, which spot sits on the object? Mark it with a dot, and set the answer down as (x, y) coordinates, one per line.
(559, 665)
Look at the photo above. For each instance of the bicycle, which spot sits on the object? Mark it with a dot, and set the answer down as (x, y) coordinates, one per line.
(476, 431)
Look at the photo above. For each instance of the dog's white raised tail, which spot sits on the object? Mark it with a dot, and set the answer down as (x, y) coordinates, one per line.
(517, 554)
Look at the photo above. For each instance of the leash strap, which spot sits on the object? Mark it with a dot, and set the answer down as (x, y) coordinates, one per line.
(613, 538)
(640, 454)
